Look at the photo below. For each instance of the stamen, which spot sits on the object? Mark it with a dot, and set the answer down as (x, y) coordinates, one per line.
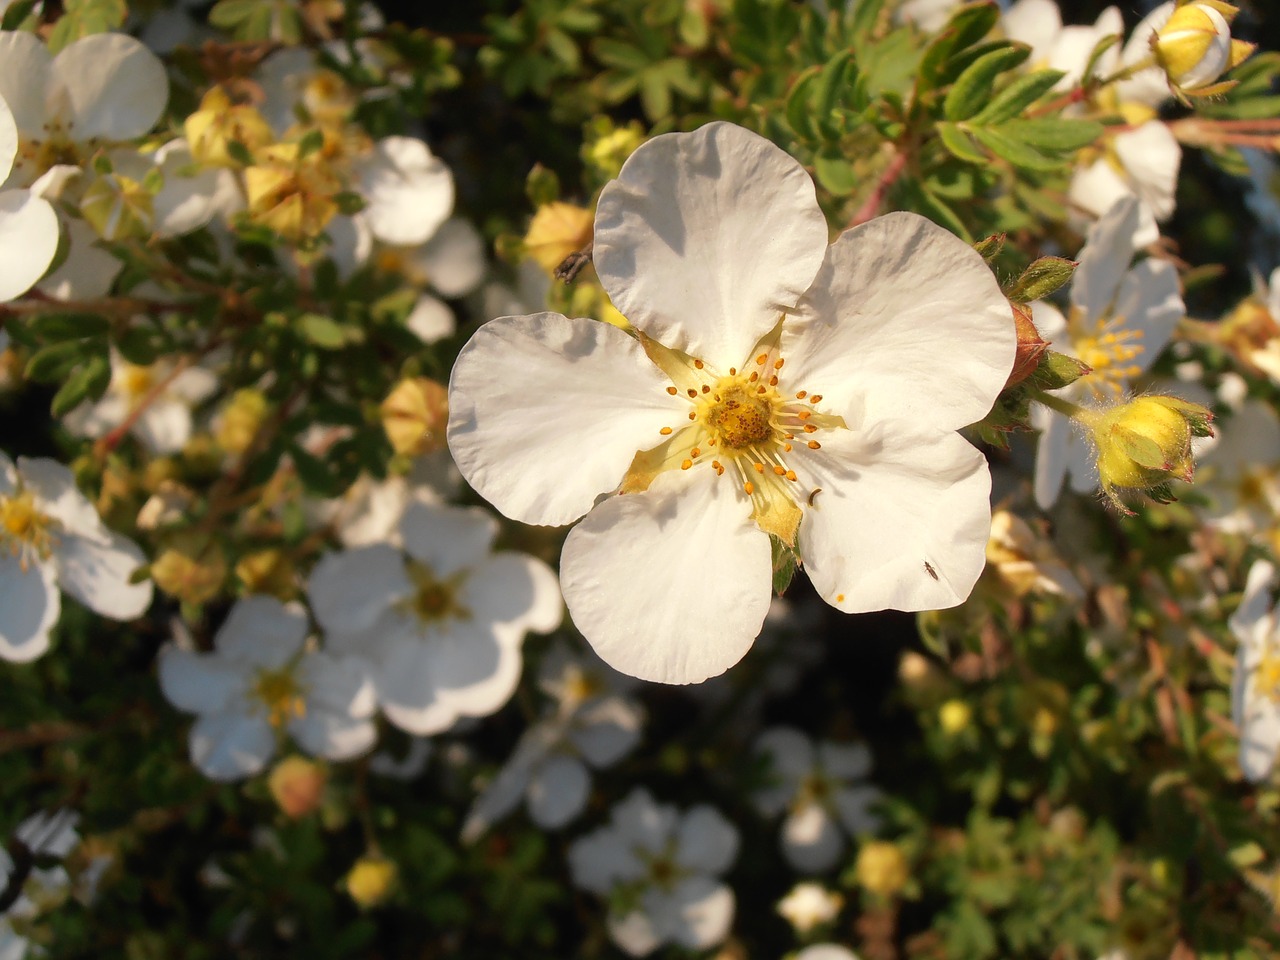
(753, 378)
(693, 415)
(773, 381)
(791, 475)
(814, 445)
(762, 358)
(748, 488)
(805, 414)
(665, 431)
(698, 364)
(692, 392)
(786, 447)
(733, 371)
(777, 364)
(694, 452)
(810, 428)
(780, 471)
(759, 467)
(686, 464)
(672, 390)
(817, 397)
(801, 394)
(705, 388)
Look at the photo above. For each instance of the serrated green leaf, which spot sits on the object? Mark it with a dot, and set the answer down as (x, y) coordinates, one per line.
(1018, 154)
(969, 24)
(1017, 96)
(959, 145)
(1042, 278)
(1053, 133)
(972, 89)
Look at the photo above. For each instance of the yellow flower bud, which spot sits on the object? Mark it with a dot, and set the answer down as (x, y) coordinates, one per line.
(954, 717)
(297, 785)
(118, 207)
(414, 416)
(557, 230)
(371, 881)
(1146, 443)
(882, 868)
(268, 571)
(240, 421)
(1195, 47)
(218, 123)
(190, 570)
(609, 148)
(291, 193)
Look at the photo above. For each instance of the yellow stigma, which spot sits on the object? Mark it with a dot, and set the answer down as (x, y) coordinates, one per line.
(25, 532)
(281, 694)
(434, 600)
(740, 418)
(136, 381)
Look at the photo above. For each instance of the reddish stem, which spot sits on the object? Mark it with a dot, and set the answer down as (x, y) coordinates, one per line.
(871, 207)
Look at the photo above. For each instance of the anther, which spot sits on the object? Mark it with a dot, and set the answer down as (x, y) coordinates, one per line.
(753, 378)
(791, 475)
(749, 488)
(801, 394)
(773, 381)
(759, 467)
(665, 431)
(762, 358)
(698, 364)
(814, 445)
(705, 388)
(692, 415)
(733, 371)
(805, 414)
(810, 428)
(786, 447)
(694, 452)
(761, 390)
(686, 465)
(779, 471)
(718, 467)
(692, 392)
(815, 398)
(777, 364)
(672, 390)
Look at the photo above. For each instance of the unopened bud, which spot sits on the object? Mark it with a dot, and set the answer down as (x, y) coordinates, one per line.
(1195, 47)
(371, 881)
(292, 191)
(414, 416)
(1146, 443)
(268, 571)
(882, 868)
(297, 784)
(954, 717)
(218, 124)
(118, 207)
(191, 570)
(1057, 370)
(557, 230)
(240, 420)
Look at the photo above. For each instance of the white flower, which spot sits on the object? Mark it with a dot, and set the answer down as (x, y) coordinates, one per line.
(658, 869)
(441, 623)
(1255, 686)
(42, 835)
(928, 15)
(99, 90)
(1240, 474)
(164, 424)
(261, 681)
(810, 905)
(819, 789)
(591, 724)
(28, 225)
(51, 537)
(826, 951)
(1119, 320)
(775, 386)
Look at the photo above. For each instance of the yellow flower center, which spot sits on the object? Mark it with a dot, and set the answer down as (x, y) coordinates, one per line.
(580, 686)
(434, 600)
(740, 420)
(1110, 353)
(136, 381)
(280, 694)
(25, 532)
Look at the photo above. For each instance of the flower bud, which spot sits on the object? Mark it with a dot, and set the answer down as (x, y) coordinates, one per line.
(268, 571)
(240, 421)
(118, 207)
(1195, 47)
(1145, 443)
(190, 570)
(882, 868)
(297, 785)
(414, 416)
(557, 230)
(371, 881)
(291, 191)
(954, 716)
(218, 123)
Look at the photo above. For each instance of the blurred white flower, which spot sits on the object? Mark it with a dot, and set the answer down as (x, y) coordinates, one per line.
(1255, 686)
(591, 723)
(51, 537)
(819, 788)
(42, 889)
(28, 224)
(658, 869)
(262, 681)
(1240, 474)
(826, 951)
(713, 246)
(441, 622)
(1119, 320)
(810, 905)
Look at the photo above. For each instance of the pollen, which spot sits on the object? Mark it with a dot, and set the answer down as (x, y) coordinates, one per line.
(280, 695)
(672, 390)
(25, 531)
(739, 420)
(665, 431)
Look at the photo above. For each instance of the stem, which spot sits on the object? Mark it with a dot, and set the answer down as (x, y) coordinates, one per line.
(1075, 95)
(1063, 406)
(871, 207)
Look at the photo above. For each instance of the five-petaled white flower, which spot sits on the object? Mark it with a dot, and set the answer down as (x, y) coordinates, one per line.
(1255, 685)
(658, 868)
(1120, 319)
(818, 787)
(51, 537)
(774, 385)
(28, 225)
(440, 622)
(262, 681)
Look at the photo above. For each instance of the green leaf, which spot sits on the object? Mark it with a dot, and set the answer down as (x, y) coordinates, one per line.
(784, 565)
(832, 84)
(68, 326)
(1053, 133)
(836, 175)
(542, 186)
(88, 382)
(798, 110)
(972, 89)
(323, 331)
(82, 18)
(17, 13)
(959, 145)
(1018, 154)
(313, 472)
(1042, 278)
(57, 360)
(991, 246)
(1017, 96)
(1103, 45)
(919, 199)
(140, 346)
(968, 25)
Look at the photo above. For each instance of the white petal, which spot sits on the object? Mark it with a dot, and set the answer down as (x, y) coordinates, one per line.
(332, 735)
(515, 592)
(702, 914)
(1255, 606)
(96, 571)
(431, 319)
(811, 839)
(601, 859)
(339, 685)
(854, 806)
(1037, 24)
(56, 494)
(1104, 259)
(829, 951)
(634, 932)
(706, 842)
(558, 792)
(904, 321)
(447, 539)
(1150, 302)
(546, 413)
(408, 192)
(89, 269)
(229, 746)
(186, 203)
(670, 585)
(844, 761)
(198, 682)
(165, 426)
(350, 243)
(1259, 736)
(349, 589)
(28, 241)
(1151, 156)
(705, 238)
(789, 755)
(889, 506)
(24, 78)
(1149, 86)
(646, 824)
(507, 789)
(117, 88)
(453, 259)
(605, 731)
(1052, 457)
(29, 607)
(262, 631)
